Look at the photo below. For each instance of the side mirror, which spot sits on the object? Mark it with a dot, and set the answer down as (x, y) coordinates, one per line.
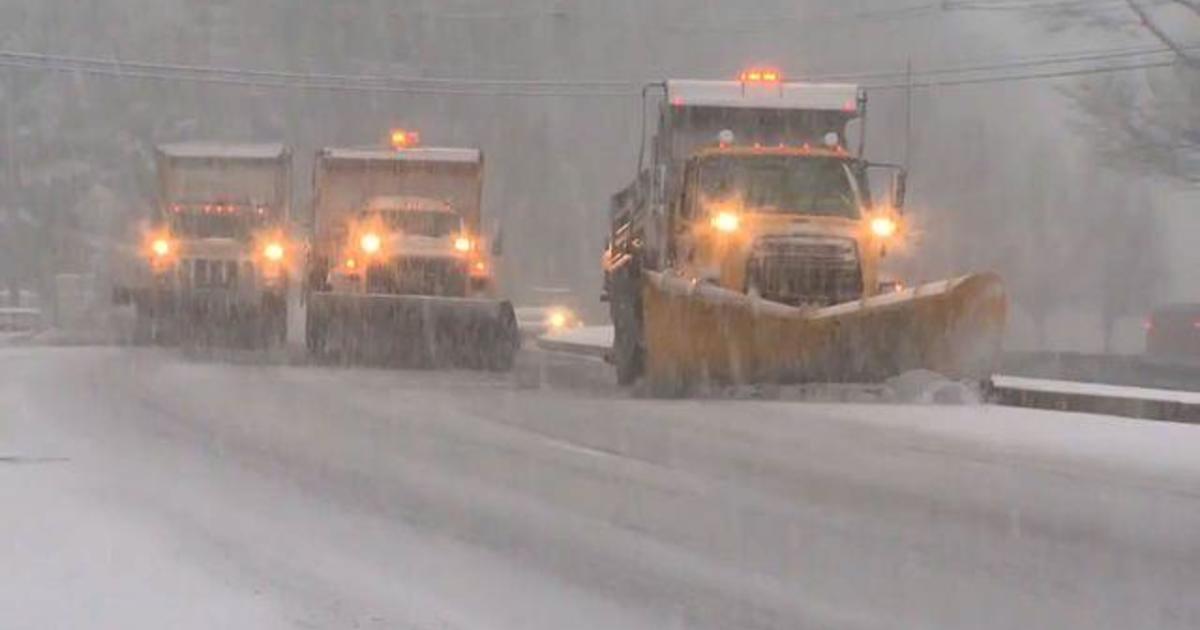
(658, 186)
(899, 189)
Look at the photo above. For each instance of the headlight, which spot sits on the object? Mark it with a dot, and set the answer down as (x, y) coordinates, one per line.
(884, 227)
(370, 243)
(558, 320)
(726, 222)
(463, 244)
(273, 252)
(161, 247)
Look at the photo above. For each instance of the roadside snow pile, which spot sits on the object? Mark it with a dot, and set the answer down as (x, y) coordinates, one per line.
(596, 336)
(593, 341)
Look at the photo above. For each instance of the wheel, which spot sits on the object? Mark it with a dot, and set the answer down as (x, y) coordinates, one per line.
(273, 322)
(628, 352)
(143, 327)
(314, 334)
(503, 341)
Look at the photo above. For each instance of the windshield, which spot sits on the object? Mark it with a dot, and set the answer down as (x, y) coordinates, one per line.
(423, 223)
(781, 184)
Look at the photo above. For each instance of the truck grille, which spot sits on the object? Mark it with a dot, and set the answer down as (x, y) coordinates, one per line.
(806, 271)
(204, 273)
(419, 276)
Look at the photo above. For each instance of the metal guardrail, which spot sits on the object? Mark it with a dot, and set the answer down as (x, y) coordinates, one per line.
(1108, 369)
(1113, 400)
(20, 320)
(1122, 386)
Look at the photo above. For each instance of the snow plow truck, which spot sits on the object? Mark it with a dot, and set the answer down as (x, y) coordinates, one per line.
(399, 271)
(213, 262)
(748, 251)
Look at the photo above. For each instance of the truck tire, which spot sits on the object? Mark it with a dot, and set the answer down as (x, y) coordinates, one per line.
(502, 341)
(628, 356)
(143, 328)
(314, 334)
(628, 352)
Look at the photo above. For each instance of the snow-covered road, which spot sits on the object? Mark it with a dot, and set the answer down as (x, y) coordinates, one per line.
(145, 491)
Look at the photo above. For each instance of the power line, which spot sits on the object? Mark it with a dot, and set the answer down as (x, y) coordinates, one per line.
(1139, 58)
(284, 80)
(1025, 62)
(1194, 5)
(1036, 5)
(1027, 77)
(1162, 35)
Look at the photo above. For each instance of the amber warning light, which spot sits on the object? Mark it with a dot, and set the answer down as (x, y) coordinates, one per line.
(760, 75)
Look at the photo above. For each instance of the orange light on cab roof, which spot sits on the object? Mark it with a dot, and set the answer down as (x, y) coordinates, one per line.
(758, 75)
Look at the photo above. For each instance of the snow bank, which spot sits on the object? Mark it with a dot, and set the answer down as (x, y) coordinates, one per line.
(586, 340)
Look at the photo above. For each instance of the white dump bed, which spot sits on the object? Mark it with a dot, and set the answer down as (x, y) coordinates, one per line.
(348, 179)
(192, 175)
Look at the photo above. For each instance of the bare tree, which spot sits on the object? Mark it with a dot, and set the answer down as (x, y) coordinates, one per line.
(1147, 122)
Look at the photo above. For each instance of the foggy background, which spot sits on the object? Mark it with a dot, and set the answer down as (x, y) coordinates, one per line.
(1072, 187)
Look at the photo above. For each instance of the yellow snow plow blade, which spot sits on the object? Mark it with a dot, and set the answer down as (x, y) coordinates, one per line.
(698, 333)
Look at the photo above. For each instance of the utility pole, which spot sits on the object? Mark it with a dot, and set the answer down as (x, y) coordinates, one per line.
(908, 115)
(11, 252)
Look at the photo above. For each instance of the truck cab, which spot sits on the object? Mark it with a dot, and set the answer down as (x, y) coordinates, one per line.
(217, 253)
(399, 272)
(788, 224)
(409, 245)
(748, 185)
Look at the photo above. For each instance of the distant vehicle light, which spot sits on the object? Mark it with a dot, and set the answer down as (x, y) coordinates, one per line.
(404, 139)
(370, 243)
(463, 244)
(727, 222)
(161, 247)
(351, 263)
(273, 252)
(884, 227)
